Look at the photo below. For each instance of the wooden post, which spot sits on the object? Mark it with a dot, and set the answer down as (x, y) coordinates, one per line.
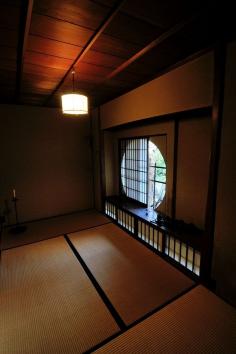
(216, 118)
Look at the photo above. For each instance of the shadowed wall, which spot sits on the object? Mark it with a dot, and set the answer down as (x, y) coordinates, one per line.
(224, 263)
(47, 159)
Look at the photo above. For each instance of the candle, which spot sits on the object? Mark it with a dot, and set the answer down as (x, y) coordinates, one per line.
(14, 193)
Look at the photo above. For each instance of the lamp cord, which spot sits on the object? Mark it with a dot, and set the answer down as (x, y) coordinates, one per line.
(73, 79)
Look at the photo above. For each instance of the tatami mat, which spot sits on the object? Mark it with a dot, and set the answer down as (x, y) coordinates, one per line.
(196, 323)
(48, 305)
(44, 229)
(135, 279)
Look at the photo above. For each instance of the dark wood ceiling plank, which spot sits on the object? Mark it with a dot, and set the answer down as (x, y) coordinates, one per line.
(150, 46)
(67, 51)
(115, 46)
(24, 26)
(94, 79)
(47, 60)
(53, 62)
(123, 30)
(103, 59)
(146, 11)
(166, 13)
(91, 69)
(129, 29)
(37, 82)
(172, 52)
(91, 41)
(51, 47)
(64, 32)
(85, 86)
(108, 3)
(58, 30)
(83, 13)
(45, 72)
(157, 58)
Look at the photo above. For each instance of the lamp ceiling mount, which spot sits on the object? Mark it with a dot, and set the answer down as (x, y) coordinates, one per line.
(74, 103)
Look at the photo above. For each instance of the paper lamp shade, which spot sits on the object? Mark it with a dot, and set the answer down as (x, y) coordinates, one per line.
(74, 104)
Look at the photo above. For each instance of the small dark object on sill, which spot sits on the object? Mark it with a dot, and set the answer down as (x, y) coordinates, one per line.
(175, 224)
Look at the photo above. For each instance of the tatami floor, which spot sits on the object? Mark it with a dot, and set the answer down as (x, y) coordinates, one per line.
(134, 278)
(52, 227)
(196, 323)
(94, 287)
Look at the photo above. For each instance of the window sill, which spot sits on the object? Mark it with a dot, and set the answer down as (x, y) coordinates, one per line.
(186, 232)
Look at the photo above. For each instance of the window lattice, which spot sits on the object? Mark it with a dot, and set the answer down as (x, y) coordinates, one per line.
(134, 168)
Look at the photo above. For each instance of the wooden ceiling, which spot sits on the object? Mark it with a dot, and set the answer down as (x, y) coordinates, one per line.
(113, 45)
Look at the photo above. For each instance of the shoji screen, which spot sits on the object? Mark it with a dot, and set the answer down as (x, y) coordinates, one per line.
(134, 168)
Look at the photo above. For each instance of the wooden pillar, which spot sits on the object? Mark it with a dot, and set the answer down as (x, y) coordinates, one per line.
(216, 118)
(174, 186)
(102, 162)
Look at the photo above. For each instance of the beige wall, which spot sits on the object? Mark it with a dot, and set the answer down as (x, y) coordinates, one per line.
(96, 159)
(47, 159)
(194, 145)
(186, 87)
(224, 262)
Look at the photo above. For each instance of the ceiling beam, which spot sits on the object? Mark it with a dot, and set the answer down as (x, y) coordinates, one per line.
(171, 32)
(89, 44)
(24, 27)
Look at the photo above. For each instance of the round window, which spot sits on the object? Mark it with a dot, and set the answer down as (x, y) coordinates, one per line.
(143, 172)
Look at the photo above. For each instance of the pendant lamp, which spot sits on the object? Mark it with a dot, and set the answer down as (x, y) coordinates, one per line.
(74, 103)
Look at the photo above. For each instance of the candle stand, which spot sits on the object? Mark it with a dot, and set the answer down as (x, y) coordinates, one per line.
(17, 228)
